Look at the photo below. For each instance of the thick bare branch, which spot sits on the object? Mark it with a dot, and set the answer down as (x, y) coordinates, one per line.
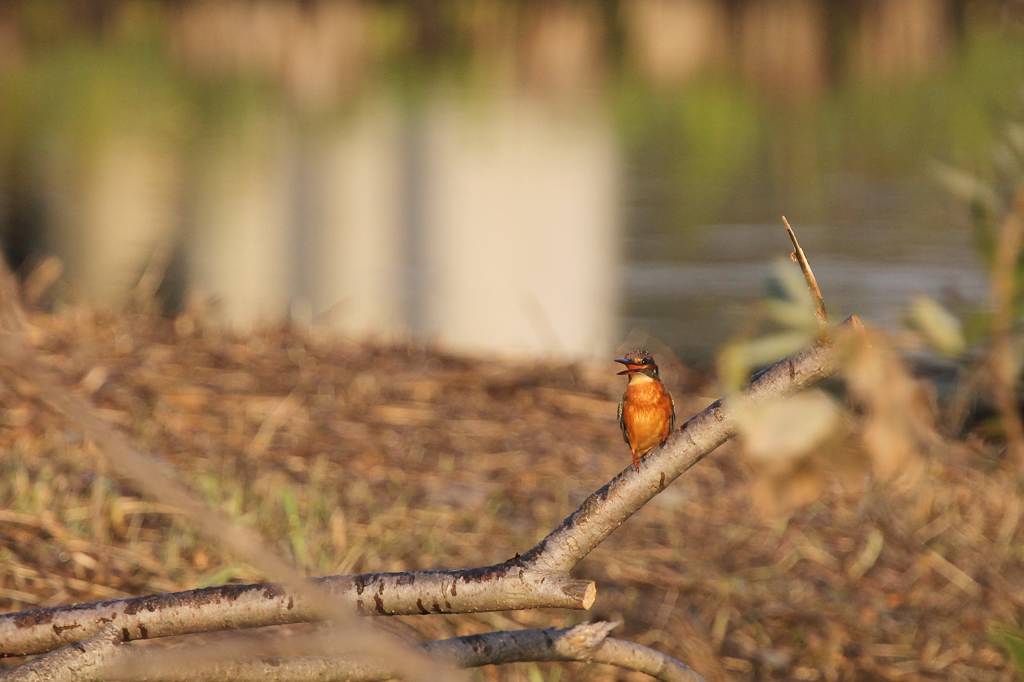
(157, 480)
(537, 579)
(297, 669)
(495, 588)
(74, 662)
(588, 642)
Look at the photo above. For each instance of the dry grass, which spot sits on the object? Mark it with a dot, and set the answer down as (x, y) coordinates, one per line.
(360, 457)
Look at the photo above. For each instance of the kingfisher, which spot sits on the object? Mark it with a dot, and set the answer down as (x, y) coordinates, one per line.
(647, 413)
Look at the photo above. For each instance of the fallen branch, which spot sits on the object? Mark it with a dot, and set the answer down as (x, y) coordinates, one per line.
(156, 479)
(588, 642)
(74, 662)
(493, 588)
(539, 578)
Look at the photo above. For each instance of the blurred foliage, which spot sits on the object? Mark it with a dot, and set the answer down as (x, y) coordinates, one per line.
(398, 457)
(709, 134)
(73, 92)
(942, 330)
(374, 451)
(955, 113)
(991, 193)
(1011, 639)
(703, 137)
(712, 136)
(781, 324)
(994, 198)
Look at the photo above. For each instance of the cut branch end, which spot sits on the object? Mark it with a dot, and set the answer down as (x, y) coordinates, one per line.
(589, 595)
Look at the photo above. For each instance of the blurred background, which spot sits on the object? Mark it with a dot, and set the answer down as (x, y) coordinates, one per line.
(426, 182)
(501, 177)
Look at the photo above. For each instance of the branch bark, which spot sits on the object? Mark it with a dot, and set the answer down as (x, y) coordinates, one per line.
(800, 257)
(74, 662)
(493, 588)
(588, 642)
(157, 480)
(538, 578)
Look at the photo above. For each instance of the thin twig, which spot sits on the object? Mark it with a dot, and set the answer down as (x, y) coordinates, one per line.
(1002, 357)
(800, 257)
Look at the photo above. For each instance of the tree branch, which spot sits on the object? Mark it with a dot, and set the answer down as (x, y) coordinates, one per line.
(493, 588)
(74, 662)
(176, 613)
(800, 257)
(624, 495)
(588, 642)
(539, 578)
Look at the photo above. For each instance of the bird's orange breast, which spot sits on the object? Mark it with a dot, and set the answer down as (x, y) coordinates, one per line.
(647, 415)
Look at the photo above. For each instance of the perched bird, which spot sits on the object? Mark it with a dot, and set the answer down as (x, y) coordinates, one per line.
(647, 414)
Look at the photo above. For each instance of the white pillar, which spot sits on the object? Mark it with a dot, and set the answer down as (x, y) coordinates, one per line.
(521, 215)
(356, 247)
(240, 249)
(112, 208)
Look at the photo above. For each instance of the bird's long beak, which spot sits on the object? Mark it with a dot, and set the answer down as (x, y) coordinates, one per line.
(630, 367)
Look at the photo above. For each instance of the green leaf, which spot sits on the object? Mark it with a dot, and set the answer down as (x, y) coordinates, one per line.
(296, 531)
(737, 359)
(1015, 138)
(732, 367)
(783, 429)
(219, 576)
(940, 327)
(965, 186)
(534, 674)
(766, 349)
(792, 315)
(982, 200)
(790, 280)
(1011, 639)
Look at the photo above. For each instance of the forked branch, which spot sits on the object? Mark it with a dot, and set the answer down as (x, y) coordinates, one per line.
(77, 661)
(157, 480)
(538, 578)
